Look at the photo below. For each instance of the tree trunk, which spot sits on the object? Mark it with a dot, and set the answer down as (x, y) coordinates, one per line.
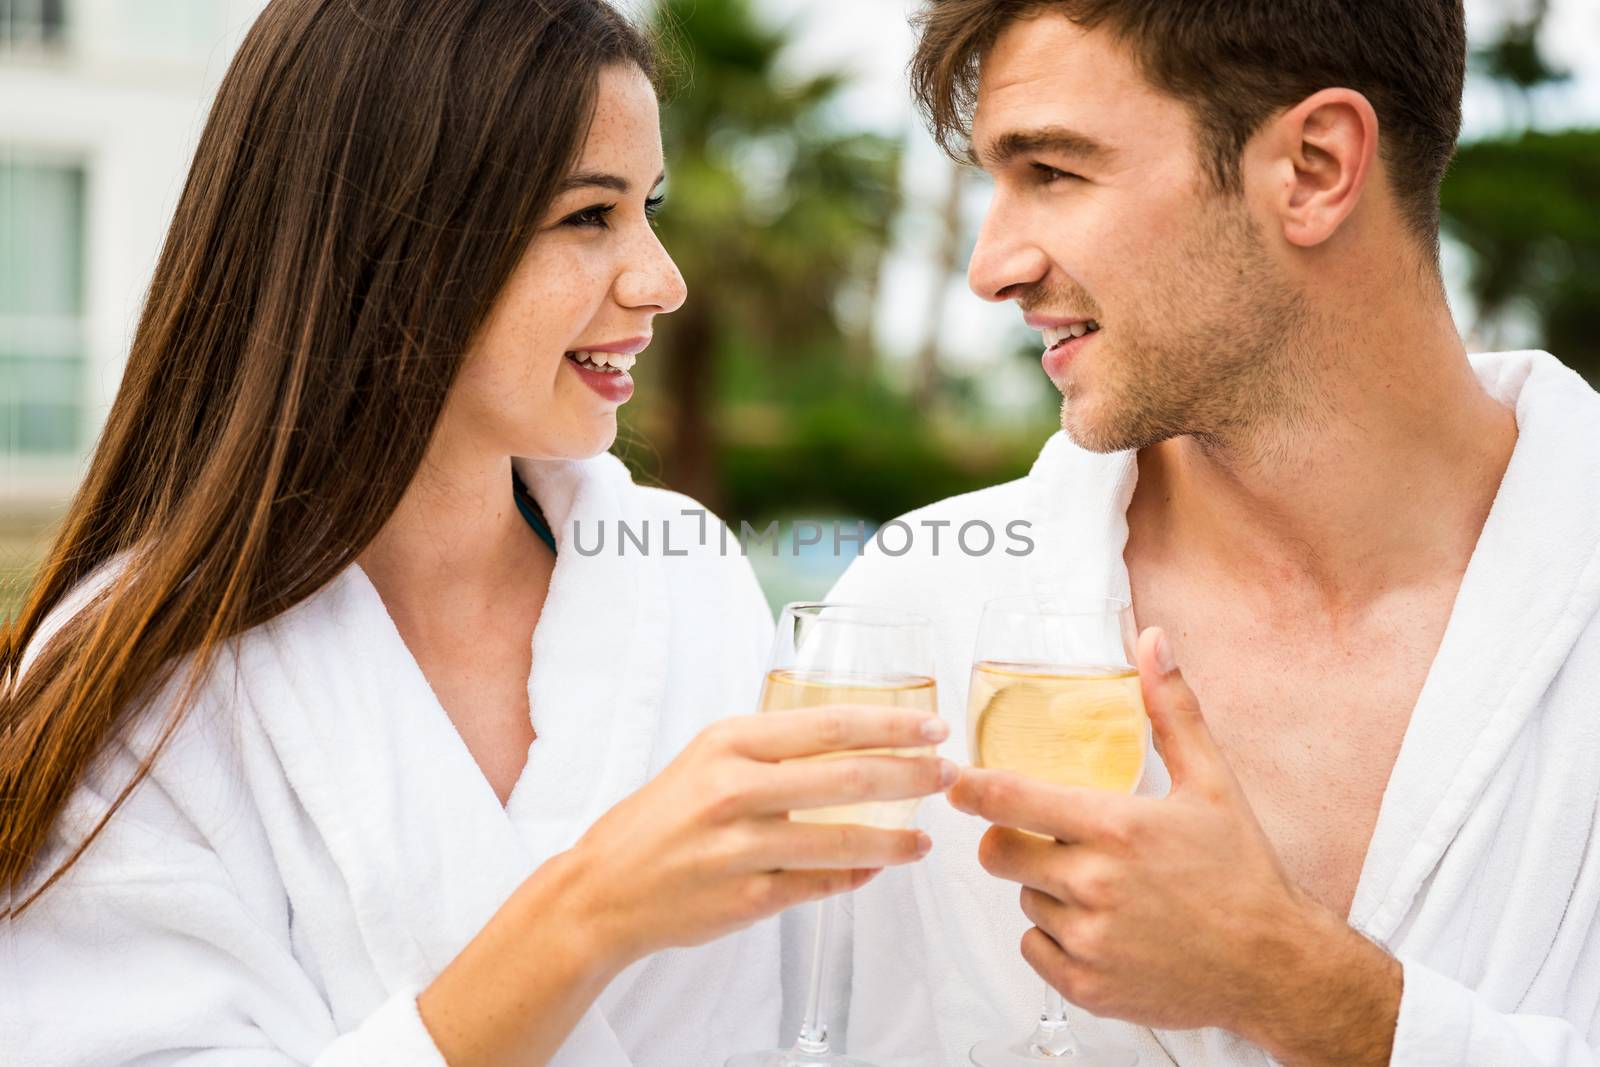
(945, 264)
(690, 374)
(864, 343)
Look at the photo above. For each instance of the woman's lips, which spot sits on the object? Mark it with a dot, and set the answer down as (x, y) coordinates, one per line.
(612, 386)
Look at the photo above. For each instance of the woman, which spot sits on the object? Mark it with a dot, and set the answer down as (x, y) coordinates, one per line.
(315, 750)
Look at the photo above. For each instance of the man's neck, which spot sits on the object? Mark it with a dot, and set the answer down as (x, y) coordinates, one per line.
(1388, 484)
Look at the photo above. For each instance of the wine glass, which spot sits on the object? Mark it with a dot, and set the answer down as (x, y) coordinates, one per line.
(1055, 696)
(844, 654)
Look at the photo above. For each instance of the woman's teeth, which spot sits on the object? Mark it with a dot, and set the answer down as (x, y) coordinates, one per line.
(1056, 334)
(610, 362)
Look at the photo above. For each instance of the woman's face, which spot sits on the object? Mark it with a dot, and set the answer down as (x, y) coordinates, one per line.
(535, 382)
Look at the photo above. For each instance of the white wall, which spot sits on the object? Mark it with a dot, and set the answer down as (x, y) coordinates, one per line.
(127, 97)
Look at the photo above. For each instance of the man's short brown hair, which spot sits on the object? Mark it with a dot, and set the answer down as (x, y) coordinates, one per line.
(1237, 62)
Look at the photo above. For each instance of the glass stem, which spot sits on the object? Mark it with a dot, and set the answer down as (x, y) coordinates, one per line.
(1053, 1036)
(813, 1040)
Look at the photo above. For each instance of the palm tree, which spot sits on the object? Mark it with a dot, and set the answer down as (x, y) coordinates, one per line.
(771, 210)
(1524, 205)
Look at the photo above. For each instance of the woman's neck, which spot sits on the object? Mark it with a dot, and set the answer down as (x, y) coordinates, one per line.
(456, 539)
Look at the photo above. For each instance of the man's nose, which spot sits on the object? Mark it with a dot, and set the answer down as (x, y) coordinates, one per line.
(1005, 260)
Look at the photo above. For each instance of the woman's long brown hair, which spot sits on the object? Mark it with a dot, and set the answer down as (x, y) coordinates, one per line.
(369, 176)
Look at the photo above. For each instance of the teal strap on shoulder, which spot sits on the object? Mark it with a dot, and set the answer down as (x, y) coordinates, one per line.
(531, 512)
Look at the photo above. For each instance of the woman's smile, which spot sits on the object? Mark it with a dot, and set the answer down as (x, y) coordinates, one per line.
(604, 367)
(613, 384)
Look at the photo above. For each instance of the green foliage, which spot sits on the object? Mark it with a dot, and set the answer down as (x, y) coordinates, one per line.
(867, 454)
(820, 432)
(1515, 59)
(1528, 209)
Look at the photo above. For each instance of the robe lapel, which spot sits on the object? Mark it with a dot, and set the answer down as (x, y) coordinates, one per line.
(416, 832)
(426, 852)
(599, 657)
(1533, 582)
(1078, 505)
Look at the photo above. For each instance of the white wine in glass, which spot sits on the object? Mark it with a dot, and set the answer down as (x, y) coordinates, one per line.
(844, 654)
(1055, 697)
(1069, 727)
(786, 690)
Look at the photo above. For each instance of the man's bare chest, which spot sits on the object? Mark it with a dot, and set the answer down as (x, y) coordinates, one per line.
(1311, 724)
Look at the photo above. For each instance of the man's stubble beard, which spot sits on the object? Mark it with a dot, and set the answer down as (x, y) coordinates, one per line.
(1216, 352)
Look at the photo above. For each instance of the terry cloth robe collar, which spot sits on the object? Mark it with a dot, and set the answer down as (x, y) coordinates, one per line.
(595, 687)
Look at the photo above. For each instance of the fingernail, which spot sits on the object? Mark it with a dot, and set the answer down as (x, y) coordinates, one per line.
(924, 844)
(948, 773)
(935, 729)
(1164, 657)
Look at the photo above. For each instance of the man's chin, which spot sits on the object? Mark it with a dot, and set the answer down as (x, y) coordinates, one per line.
(1084, 428)
(1094, 429)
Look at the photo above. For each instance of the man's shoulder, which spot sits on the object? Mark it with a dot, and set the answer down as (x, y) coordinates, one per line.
(987, 503)
(1518, 377)
(926, 531)
(912, 554)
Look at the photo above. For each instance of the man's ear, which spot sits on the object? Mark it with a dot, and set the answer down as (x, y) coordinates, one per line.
(1319, 155)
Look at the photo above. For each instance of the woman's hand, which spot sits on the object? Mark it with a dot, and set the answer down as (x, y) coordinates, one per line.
(707, 847)
(702, 850)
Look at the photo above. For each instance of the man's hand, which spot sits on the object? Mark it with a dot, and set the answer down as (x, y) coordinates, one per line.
(1176, 913)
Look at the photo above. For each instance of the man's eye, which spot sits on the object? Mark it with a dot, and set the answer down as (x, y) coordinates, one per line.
(1049, 175)
(591, 216)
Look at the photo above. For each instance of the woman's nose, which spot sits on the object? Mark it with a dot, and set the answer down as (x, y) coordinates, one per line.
(652, 281)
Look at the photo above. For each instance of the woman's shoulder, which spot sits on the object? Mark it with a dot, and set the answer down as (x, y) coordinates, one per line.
(700, 551)
(191, 812)
(172, 795)
(690, 529)
(670, 504)
(206, 734)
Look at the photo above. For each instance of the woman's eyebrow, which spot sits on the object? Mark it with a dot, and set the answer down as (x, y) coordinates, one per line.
(584, 179)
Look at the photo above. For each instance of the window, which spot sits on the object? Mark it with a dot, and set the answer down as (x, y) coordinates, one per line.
(32, 25)
(41, 307)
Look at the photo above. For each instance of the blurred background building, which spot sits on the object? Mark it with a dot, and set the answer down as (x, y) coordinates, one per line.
(100, 106)
(830, 362)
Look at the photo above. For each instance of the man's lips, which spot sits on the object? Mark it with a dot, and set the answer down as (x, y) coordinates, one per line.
(1059, 356)
(1064, 337)
(1053, 322)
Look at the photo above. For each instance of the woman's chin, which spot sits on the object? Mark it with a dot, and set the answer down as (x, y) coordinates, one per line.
(601, 439)
(596, 437)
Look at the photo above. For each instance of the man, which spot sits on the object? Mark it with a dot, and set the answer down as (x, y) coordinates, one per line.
(1374, 559)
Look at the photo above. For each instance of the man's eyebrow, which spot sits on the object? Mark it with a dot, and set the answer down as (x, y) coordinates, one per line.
(584, 179)
(1055, 139)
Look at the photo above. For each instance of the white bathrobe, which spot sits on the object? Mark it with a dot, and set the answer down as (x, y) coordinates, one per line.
(317, 843)
(1483, 874)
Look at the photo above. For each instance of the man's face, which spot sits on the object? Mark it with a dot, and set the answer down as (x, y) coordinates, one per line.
(1104, 219)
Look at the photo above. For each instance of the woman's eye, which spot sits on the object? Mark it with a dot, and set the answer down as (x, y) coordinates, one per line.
(599, 216)
(592, 216)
